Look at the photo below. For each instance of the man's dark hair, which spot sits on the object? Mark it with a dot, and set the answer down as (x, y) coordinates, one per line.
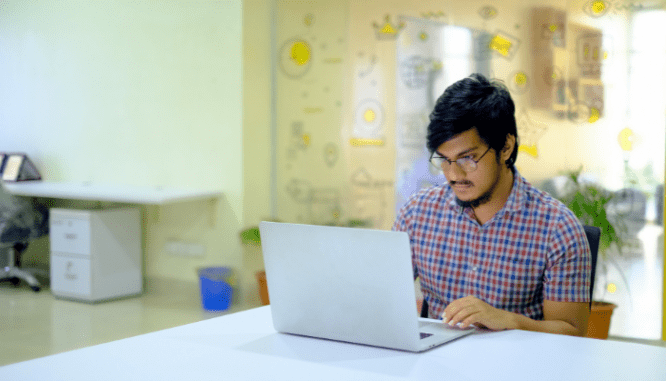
(474, 102)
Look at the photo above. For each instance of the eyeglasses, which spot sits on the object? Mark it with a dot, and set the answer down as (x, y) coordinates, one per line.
(467, 164)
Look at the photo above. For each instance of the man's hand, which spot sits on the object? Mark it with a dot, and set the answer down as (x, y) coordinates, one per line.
(470, 310)
(567, 318)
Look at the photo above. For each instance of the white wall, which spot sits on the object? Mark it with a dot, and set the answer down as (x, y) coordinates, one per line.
(138, 93)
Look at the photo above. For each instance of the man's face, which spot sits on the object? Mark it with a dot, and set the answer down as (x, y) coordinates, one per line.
(472, 188)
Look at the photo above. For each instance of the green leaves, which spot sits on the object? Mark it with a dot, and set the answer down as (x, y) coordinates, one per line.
(588, 202)
(251, 236)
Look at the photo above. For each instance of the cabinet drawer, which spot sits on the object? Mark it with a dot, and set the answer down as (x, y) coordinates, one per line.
(70, 275)
(70, 235)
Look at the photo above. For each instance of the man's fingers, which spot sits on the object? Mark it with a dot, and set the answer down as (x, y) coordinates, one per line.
(461, 314)
(472, 319)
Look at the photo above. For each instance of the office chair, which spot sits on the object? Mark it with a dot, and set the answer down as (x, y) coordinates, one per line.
(593, 234)
(22, 220)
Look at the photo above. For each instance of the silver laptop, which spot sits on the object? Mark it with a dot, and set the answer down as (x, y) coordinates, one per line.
(347, 284)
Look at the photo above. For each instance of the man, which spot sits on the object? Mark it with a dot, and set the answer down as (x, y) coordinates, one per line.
(491, 250)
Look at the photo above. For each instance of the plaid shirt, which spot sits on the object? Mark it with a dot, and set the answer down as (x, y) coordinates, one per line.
(534, 248)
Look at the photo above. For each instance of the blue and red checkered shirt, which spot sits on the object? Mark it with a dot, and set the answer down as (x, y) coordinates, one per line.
(533, 249)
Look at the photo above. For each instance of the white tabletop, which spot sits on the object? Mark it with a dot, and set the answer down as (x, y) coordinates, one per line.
(244, 346)
(111, 193)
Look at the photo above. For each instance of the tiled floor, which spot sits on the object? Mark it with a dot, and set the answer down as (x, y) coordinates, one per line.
(34, 325)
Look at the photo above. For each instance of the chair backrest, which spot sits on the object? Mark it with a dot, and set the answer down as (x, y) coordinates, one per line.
(21, 218)
(593, 234)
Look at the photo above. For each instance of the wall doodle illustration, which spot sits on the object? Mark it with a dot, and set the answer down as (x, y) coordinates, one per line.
(331, 153)
(367, 67)
(518, 82)
(436, 15)
(295, 58)
(529, 132)
(504, 44)
(416, 71)
(370, 197)
(488, 12)
(387, 30)
(318, 205)
(369, 118)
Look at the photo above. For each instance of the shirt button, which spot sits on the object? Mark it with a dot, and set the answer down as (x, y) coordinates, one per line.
(476, 268)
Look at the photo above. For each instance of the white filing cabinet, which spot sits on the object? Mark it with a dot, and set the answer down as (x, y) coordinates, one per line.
(95, 254)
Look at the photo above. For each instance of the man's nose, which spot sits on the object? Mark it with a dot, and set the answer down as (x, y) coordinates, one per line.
(453, 172)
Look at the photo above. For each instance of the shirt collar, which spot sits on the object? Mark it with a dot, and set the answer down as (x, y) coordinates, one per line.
(518, 193)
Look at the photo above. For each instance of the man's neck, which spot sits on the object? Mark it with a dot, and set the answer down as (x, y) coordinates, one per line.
(498, 198)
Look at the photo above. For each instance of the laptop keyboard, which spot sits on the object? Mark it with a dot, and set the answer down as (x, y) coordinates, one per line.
(424, 335)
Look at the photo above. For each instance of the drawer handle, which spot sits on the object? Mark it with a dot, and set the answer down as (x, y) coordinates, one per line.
(70, 236)
(68, 273)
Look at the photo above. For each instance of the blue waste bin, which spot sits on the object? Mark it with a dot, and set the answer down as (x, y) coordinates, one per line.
(216, 287)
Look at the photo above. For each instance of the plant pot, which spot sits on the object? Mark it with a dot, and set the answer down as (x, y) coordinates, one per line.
(263, 287)
(600, 318)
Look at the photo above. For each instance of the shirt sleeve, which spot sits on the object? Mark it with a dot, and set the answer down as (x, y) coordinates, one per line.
(402, 224)
(568, 270)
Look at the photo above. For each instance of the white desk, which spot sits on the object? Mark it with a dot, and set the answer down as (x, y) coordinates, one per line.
(92, 282)
(244, 346)
(112, 193)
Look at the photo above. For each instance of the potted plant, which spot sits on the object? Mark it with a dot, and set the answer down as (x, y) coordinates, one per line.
(251, 239)
(589, 202)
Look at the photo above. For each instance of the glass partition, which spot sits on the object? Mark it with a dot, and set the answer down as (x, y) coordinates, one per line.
(356, 80)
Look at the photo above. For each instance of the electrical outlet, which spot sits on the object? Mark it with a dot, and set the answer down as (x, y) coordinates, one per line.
(185, 249)
(196, 250)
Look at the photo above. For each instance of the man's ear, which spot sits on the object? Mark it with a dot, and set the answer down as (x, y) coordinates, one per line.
(509, 145)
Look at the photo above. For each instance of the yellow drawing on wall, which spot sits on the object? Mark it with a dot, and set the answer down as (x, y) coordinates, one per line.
(596, 8)
(520, 78)
(530, 132)
(368, 124)
(626, 139)
(300, 53)
(387, 30)
(308, 20)
(554, 76)
(501, 45)
(594, 114)
(295, 57)
(358, 142)
(529, 149)
(519, 82)
(369, 116)
(611, 287)
(504, 44)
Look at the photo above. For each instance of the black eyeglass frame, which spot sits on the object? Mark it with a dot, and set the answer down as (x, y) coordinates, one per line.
(473, 164)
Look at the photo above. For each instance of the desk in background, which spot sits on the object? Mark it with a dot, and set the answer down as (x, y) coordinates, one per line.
(96, 255)
(108, 193)
(244, 346)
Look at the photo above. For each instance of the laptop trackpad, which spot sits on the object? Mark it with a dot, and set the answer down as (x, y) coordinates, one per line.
(436, 327)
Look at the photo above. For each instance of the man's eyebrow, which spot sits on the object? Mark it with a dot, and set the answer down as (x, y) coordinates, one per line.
(462, 153)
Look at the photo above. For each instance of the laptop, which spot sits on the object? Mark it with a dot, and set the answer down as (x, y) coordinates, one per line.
(347, 284)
